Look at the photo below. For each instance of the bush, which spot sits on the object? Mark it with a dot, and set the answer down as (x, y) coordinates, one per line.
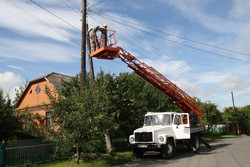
(120, 145)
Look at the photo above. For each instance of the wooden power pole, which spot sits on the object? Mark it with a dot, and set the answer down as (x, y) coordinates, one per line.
(83, 47)
(233, 99)
(91, 68)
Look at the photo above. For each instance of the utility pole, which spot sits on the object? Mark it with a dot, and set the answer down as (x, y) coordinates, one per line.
(233, 99)
(91, 68)
(237, 126)
(83, 47)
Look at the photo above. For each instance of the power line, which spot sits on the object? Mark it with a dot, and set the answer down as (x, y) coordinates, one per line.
(42, 21)
(98, 3)
(76, 11)
(54, 15)
(79, 9)
(174, 35)
(176, 42)
(189, 88)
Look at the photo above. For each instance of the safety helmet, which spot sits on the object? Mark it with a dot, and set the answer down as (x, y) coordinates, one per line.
(105, 25)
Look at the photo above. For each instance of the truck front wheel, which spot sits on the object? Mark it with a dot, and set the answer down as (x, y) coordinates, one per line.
(137, 152)
(167, 151)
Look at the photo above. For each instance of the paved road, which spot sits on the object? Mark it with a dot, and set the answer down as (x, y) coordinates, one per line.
(232, 152)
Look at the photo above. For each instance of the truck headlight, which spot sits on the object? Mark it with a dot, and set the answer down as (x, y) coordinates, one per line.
(131, 139)
(161, 138)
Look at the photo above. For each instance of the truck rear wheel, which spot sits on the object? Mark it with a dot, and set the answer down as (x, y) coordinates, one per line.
(167, 151)
(137, 152)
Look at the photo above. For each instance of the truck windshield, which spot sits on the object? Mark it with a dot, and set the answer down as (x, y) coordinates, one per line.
(161, 119)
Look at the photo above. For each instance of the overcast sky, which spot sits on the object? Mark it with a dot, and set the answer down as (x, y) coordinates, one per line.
(201, 45)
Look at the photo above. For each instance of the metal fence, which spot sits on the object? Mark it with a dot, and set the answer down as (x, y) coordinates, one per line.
(25, 152)
(217, 129)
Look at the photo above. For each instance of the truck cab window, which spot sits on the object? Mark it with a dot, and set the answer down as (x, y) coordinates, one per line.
(177, 120)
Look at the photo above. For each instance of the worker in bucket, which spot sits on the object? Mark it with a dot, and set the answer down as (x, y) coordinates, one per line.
(104, 34)
(94, 38)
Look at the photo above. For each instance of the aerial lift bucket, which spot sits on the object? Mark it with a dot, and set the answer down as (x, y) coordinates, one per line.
(104, 48)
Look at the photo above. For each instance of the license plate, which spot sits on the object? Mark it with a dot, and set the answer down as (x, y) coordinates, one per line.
(142, 146)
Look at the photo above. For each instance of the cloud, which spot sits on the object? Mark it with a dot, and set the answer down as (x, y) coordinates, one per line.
(9, 79)
(190, 88)
(36, 51)
(167, 66)
(212, 77)
(242, 40)
(210, 91)
(31, 21)
(193, 10)
(234, 83)
(240, 9)
(15, 67)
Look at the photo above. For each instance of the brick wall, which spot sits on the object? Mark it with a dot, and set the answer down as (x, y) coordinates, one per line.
(35, 98)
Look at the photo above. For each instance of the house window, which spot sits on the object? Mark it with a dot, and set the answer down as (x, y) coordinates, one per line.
(38, 89)
(49, 119)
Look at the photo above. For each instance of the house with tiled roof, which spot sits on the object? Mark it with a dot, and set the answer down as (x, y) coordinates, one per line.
(34, 99)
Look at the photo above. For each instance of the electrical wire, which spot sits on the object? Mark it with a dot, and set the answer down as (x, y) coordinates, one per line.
(172, 41)
(42, 21)
(70, 7)
(54, 15)
(98, 3)
(188, 77)
(74, 5)
(174, 35)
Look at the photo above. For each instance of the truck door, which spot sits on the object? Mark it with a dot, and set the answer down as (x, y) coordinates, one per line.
(181, 126)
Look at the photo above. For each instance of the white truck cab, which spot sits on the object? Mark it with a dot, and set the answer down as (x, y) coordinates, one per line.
(162, 131)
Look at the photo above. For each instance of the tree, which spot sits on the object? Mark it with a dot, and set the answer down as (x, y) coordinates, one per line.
(246, 113)
(74, 118)
(136, 98)
(9, 121)
(106, 106)
(211, 115)
(19, 92)
(30, 123)
(237, 116)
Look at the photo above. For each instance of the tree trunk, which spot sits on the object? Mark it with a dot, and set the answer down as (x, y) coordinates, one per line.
(108, 143)
(78, 153)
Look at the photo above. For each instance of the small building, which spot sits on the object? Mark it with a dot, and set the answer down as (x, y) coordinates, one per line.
(34, 99)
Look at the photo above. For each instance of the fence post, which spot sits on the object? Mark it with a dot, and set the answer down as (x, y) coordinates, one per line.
(2, 155)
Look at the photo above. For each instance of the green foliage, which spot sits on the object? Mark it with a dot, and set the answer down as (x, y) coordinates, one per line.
(8, 120)
(238, 116)
(106, 104)
(245, 111)
(136, 97)
(30, 123)
(211, 115)
(19, 93)
(73, 116)
(115, 106)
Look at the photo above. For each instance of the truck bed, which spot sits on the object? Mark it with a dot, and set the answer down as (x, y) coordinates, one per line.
(196, 129)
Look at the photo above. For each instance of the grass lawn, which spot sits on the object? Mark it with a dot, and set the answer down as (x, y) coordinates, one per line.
(103, 161)
(117, 159)
(218, 137)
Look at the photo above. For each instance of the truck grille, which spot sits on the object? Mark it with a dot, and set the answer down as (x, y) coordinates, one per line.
(143, 137)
